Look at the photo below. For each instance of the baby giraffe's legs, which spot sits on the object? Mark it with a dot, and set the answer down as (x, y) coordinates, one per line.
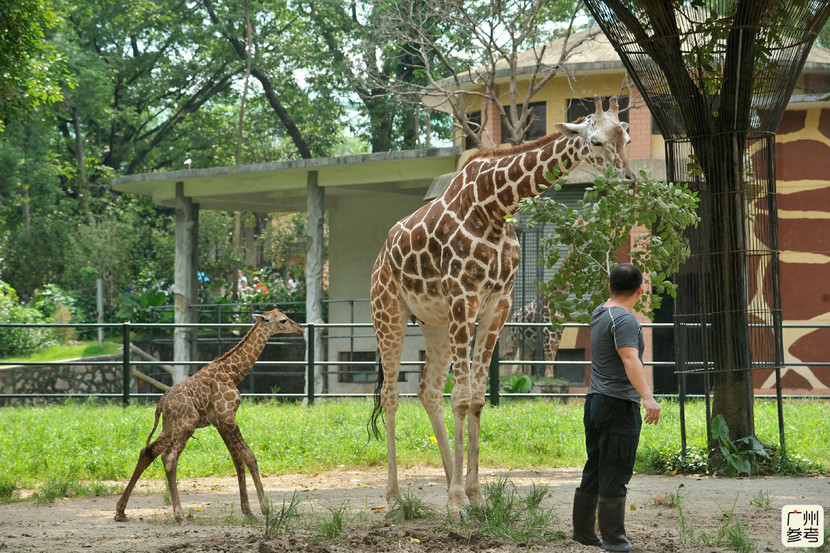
(170, 458)
(145, 458)
(243, 456)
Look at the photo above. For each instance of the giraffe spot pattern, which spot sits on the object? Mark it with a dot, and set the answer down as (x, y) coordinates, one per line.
(453, 262)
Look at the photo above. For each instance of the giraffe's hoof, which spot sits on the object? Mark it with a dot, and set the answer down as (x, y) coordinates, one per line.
(473, 494)
(457, 502)
(120, 517)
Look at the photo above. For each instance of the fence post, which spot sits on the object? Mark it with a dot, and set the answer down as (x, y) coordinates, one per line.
(494, 376)
(126, 373)
(310, 357)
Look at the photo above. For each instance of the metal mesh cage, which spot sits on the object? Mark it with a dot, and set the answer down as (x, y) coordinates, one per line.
(717, 75)
(713, 48)
(736, 286)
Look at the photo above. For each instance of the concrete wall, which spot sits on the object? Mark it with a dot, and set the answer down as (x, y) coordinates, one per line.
(357, 230)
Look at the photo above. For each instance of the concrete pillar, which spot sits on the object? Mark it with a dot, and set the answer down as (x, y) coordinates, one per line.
(186, 287)
(314, 271)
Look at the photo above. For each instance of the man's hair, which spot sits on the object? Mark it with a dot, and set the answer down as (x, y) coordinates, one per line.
(625, 279)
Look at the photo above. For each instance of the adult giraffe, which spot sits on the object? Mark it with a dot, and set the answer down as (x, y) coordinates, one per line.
(451, 264)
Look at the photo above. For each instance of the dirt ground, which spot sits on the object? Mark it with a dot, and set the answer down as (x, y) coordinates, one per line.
(213, 525)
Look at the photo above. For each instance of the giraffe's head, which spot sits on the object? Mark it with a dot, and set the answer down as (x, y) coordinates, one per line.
(604, 138)
(278, 323)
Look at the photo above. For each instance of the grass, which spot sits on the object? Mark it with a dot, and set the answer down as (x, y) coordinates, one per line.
(281, 520)
(506, 514)
(60, 352)
(762, 500)
(328, 529)
(408, 505)
(57, 488)
(89, 442)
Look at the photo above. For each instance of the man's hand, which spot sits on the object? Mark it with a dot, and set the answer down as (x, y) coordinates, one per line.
(652, 410)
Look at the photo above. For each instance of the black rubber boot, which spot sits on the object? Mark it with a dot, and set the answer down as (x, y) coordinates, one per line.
(585, 518)
(611, 515)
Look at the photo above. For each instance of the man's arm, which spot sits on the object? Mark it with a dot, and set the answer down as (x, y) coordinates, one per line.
(637, 376)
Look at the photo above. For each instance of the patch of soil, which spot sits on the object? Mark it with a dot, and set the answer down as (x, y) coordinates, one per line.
(215, 523)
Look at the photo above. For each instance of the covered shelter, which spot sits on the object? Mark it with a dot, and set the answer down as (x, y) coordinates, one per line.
(363, 194)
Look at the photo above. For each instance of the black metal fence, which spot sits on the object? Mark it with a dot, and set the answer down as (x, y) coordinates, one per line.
(129, 365)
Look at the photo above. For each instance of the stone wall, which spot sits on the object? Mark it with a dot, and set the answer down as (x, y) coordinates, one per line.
(61, 379)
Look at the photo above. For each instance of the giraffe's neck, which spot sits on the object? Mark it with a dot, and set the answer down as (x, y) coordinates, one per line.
(237, 362)
(509, 178)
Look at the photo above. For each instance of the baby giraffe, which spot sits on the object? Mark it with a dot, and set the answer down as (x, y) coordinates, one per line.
(210, 397)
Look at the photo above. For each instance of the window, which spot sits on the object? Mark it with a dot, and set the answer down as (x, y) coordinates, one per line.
(358, 373)
(538, 125)
(580, 107)
(367, 371)
(574, 374)
(474, 120)
(537, 128)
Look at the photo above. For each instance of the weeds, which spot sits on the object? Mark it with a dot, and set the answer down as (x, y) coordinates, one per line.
(503, 513)
(739, 456)
(731, 534)
(7, 488)
(684, 533)
(673, 499)
(63, 487)
(761, 500)
(278, 521)
(331, 528)
(408, 506)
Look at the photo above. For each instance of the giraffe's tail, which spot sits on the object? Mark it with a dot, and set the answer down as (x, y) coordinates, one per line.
(377, 410)
(156, 422)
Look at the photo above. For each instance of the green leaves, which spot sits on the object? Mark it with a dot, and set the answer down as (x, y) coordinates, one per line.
(519, 384)
(612, 215)
(739, 455)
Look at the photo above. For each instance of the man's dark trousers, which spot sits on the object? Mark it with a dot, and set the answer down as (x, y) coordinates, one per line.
(612, 432)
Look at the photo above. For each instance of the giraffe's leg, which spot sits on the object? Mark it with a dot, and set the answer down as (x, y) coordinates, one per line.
(170, 458)
(552, 343)
(389, 318)
(145, 459)
(461, 336)
(431, 389)
(243, 456)
(550, 354)
(489, 327)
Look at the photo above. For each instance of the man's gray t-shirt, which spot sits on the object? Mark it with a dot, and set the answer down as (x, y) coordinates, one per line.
(613, 328)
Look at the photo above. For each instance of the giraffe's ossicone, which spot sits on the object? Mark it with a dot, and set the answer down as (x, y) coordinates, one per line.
(210, 398)
(451, 265)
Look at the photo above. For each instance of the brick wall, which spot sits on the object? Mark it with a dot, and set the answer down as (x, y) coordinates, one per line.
(639, 121)
(492, 120)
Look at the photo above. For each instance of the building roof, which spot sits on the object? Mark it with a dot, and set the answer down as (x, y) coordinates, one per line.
(282, 186)
(592, 53)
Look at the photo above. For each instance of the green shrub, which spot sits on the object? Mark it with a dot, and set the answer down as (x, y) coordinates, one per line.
(670, 460)
(49, 299)
(519, 384)
(17, 341)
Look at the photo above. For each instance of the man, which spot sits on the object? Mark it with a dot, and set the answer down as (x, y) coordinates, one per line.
(612, 413)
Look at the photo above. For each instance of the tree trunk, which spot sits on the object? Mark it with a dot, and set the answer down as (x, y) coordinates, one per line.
(721, 160)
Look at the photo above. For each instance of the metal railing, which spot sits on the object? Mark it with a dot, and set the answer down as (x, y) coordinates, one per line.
(127, 365)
